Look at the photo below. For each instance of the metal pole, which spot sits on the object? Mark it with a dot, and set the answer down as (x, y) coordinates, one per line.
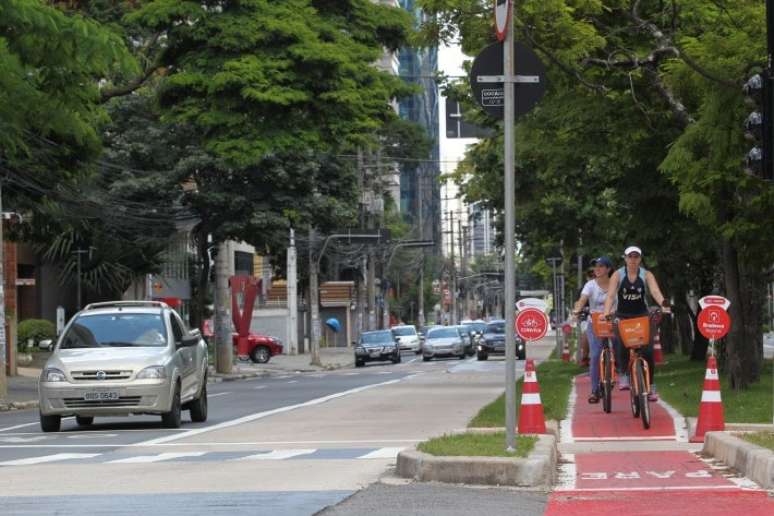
(556, 309)
(3, 335)
(78, 279)
(292, 297)
(314, 301)
(510, 229)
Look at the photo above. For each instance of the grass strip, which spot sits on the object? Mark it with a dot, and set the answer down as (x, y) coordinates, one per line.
(555, 380)
(477, 445)
(765, 439)
(680, 382)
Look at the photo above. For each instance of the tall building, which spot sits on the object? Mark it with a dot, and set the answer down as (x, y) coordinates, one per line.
(420, 194)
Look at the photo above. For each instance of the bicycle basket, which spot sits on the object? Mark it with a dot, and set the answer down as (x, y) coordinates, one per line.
(635, 332)
(601, 327)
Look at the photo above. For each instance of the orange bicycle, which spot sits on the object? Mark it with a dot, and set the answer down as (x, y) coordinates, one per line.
(603, 329)
(635, 336)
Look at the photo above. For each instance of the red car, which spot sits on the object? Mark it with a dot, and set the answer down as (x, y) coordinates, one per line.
(260, 348)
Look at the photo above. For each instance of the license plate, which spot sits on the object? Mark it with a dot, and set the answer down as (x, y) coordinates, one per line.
(375, 353)
(99, 396)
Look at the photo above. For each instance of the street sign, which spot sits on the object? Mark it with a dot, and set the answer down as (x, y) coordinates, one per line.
(502, 18)
(531, 324)
(354, 236)
(714, 322)
(531, 302)
(487, 79)
(714, 301)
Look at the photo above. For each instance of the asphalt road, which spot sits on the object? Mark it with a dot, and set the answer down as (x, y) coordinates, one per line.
(291, 444)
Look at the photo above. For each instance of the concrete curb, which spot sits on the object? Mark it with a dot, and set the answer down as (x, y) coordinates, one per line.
(18, 405)
(535, 470)
(752, 461)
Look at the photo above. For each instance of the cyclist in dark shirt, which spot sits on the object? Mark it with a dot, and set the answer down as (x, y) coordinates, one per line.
(634, 284)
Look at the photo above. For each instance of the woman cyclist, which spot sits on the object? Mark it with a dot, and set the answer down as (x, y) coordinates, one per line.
(630, 285)
(595, 293)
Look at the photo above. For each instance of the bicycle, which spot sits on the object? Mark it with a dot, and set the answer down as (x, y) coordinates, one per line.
(635, 336)
(603, 329)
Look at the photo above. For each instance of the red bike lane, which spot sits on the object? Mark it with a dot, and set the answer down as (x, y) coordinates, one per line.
(641, 481)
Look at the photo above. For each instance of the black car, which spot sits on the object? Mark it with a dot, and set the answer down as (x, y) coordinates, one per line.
(493, 342)
(377, 346)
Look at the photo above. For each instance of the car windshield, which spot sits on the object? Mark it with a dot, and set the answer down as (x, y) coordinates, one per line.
(477, 327)
(498, 327)
(377, 337)
(465, 330)
(116, 330)
(403, 331)
(442, 333)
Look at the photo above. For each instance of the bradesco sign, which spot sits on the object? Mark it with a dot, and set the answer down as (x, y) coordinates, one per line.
(531, 324)
(714, 322)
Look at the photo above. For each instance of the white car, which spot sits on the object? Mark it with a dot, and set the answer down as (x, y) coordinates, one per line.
(408, 338)
(443, 341)
(122, 358)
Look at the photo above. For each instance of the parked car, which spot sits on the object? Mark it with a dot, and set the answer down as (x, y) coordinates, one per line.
(260, 348)
(408, 338)
(493, 342)
(467, 337)
(377, 346)
(121, 358)
(443, 341)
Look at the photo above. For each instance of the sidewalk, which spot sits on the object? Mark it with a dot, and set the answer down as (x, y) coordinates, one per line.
(23, 388)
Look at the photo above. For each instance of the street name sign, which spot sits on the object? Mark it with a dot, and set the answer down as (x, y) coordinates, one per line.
(487, 79)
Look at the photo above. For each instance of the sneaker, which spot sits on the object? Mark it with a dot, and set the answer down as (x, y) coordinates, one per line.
(623, 383)
(652, 395)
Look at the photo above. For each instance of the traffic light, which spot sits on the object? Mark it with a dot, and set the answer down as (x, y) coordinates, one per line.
(758, 125)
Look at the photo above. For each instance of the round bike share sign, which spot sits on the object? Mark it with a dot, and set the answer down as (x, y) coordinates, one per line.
(714, 322)
(531, 324)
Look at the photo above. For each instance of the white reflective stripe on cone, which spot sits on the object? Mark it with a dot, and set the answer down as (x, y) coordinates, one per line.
(529, 376)
(530, 398)
(710, 396)
(711, 374)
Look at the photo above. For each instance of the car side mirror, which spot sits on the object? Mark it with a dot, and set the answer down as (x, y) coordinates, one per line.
(192, 339)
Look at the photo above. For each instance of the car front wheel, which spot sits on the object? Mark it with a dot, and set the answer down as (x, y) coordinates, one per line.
(260, 354)
(171, 419)
(50, 423)
(198, 407)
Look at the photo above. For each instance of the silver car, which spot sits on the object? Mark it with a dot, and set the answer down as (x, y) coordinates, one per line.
(443, 341)
(122, 358)
(408, 337)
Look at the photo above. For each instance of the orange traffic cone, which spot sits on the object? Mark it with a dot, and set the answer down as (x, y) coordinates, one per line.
(711, 408)
(658, 356)
(531, 418)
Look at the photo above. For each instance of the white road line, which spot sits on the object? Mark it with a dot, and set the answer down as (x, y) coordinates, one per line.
(279, 454)
(351, 374)
(385, 372)
(293, 381)
(383, 453)
(681, 432)
(217, 394)
(565, 427)
(568, 472)
(28, 424)
(412, 360)
(142, 459)
(267, 413)
(48, 458)
(260, 387)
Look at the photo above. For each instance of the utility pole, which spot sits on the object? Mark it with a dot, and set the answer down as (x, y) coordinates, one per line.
(314, 301)
(453, 289)
(371, 290)
(292, 296)
(468, 292)
(80, 252)
(224, 356)
(362, 295)
(421, 292)
(553, 261)
(3, 335)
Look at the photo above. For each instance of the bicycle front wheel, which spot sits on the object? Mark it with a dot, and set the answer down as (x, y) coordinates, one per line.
(642, 394)
(607, 381)
(634, 390)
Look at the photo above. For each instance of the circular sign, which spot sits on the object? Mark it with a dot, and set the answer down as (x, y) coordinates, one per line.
(491, 95)
(502, 17)
(714, 322)
(531, 324)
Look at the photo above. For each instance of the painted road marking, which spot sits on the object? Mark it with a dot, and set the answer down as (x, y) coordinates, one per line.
(205, 444)
(261, 415)
(22, 439)
(260, 387)
(279, 454)
(293, 381)
(142, 459)
(48, 458)
(29, 424)
(217, 394)
(382, 453)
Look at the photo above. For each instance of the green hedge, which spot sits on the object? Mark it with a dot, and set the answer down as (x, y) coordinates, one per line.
(35, 329)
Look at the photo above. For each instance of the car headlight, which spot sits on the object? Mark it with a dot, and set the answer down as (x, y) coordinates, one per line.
(53, 375)
(156, 372)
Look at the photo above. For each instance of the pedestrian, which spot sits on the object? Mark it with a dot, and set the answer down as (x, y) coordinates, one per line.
(631, 285)
(595, 293)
